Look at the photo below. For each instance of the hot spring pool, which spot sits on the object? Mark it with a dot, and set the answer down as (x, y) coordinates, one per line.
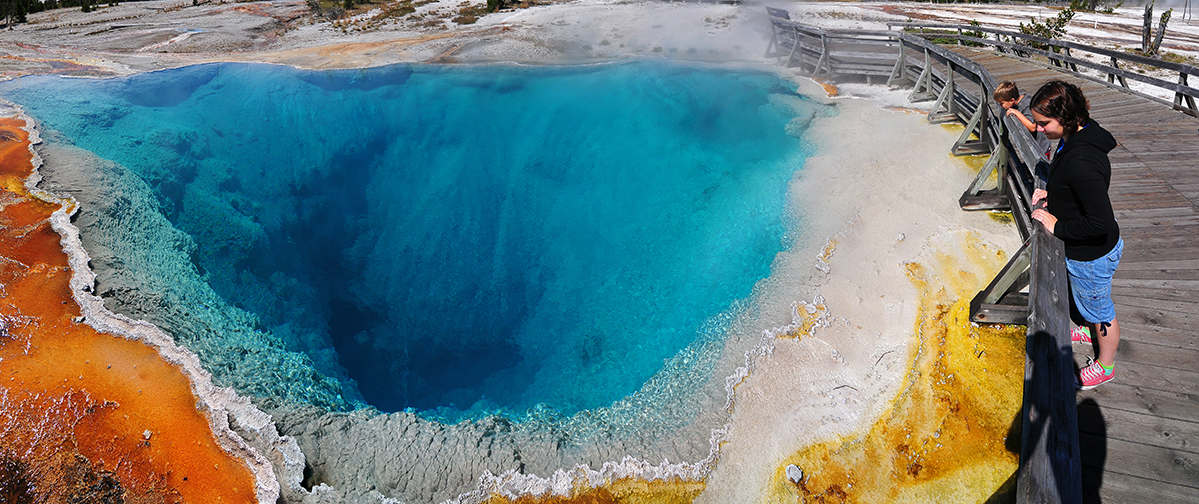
(452, 240)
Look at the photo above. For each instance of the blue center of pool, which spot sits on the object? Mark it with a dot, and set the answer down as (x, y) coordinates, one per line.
(465, 239)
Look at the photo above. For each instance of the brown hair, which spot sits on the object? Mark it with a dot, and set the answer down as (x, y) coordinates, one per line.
(1005, 91)
(1065, 102)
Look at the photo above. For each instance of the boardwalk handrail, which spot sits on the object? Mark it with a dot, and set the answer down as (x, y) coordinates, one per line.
(1183, 91)
(1050, 465)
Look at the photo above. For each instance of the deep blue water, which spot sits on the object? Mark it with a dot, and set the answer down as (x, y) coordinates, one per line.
(464, 238)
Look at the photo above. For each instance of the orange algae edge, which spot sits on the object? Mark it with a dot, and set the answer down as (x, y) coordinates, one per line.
(86, 416)
(622, 491)
(953, 433)
(829, 89)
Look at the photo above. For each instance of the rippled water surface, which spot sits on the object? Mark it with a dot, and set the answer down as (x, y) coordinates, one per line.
(459, 239)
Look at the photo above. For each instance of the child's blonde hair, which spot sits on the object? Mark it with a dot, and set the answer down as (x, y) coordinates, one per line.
(1005, 91)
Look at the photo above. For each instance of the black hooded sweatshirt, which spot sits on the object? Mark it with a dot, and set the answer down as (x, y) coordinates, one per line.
(1078, 180)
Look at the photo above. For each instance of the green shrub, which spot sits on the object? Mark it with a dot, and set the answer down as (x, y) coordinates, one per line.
(1052, 28)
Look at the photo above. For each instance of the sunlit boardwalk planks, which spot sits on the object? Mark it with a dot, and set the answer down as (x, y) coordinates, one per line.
(1139, 435)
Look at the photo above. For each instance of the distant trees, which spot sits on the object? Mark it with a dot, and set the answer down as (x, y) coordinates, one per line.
(15, 11)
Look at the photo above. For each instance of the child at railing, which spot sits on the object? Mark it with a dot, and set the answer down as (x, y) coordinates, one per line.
(1078, 211)
(1008, 96)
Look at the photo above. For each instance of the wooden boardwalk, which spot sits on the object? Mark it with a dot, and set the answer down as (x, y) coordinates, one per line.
(1139, 434)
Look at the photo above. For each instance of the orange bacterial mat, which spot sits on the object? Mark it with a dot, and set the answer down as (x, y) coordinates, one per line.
(87, 416)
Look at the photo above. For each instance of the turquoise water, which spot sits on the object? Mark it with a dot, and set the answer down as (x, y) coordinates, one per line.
(460, 240)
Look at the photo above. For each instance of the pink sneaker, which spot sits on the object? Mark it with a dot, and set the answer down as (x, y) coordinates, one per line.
(1094, 375)
(1080, 334)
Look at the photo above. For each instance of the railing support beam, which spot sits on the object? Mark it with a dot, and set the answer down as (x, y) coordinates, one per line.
(899, 74)
(923, 89)
(1111, 78)
(945, 99)
(976, 125)
(1002, 302)
(975, 198)
(1179, 97)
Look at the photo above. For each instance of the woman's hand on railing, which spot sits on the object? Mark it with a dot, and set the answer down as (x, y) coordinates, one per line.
(1045, 218)
(1038, 195)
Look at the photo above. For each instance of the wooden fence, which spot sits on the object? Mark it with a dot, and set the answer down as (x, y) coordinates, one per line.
(1060, 53)
(1032, 288)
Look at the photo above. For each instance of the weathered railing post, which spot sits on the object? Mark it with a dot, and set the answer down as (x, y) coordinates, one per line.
(1179, 97)
(900, 72)
(1070, 64)
(798, 46)
(945, 99)
(1050, 469)
(825, 56)
(923, 88)
(1112, 77)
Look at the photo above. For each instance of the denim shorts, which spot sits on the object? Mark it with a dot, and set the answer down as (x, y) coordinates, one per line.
(1091, 285)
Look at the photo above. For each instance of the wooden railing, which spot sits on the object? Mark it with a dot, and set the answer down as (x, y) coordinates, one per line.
(1050, 469)
(1061, 55)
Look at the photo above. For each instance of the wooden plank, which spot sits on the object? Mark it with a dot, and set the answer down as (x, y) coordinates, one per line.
(1170, 199)
(1154, 200)
(1139, 177)
(1160, 273)
(1177, 264)
(1149, 300)
(1158, 241)
(1165, 212)
(1159, 465)
(1187, 307)
(1131, 125)
(1120, 488)
(1160, 134)
(1140, 141)
(1119, 187)
(1138, 254)
(1178, 183)
(1141, 428)
(1161, 188)
(1165, 336)
(1161, 234)
(1160, 318)
(1118, 394)
(1163, 295)
(1121, 292)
